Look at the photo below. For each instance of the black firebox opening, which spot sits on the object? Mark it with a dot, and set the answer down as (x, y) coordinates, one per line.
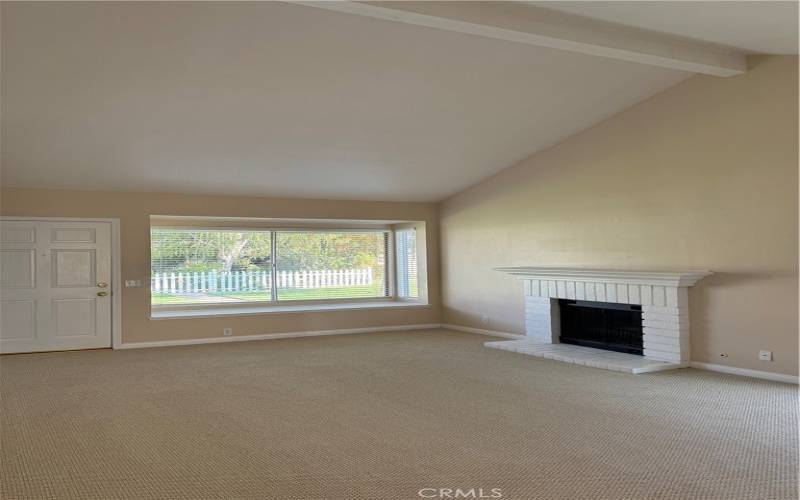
(603, 325)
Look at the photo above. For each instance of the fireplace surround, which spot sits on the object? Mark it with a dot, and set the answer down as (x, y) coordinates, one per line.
(662, 297)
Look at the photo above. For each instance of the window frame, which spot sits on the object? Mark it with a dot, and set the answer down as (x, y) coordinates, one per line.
(213, 305)
(274, 303)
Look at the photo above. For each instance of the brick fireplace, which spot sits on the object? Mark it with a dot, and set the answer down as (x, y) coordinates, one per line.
(662, 296)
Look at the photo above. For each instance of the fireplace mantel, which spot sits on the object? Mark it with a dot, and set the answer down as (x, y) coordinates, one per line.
(663, 296)
(664, 278)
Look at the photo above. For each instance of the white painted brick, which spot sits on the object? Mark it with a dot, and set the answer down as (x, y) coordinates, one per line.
(658, 296)
(647, 295)
(665, 325)
(537, 301)
(571, 290)
(590, 292)
(537, 320)
(673, 348)
(647, 309)
(611, 292)
(551, 289)
(677, 297)
(600, 292)
(543, 315)
(633, 295)
(649, 314)
(538, 324)
(537, 308)
(662, 356)
(580, 290)
(662, 332)
(622, 293)
(538, 329)
(661, 316)
(536, 315)
(666, 332)
(534, 284)
(541, 305)
(561, 289)
(682, 350)
(526, 286)
(678, 347)
(671, 296)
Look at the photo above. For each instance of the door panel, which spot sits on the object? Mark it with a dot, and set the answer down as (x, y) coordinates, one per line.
(73, 268)
(20, 234)
(19, 319)
(19, 268)
(49, 277)
(75, 317)
(73, 235)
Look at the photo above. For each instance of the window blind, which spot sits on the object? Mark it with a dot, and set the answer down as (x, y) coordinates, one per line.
(407, 280)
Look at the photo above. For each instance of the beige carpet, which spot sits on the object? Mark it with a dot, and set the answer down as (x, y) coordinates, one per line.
(382, 416)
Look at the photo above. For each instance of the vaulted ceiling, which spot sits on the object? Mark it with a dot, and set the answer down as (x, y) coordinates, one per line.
(282, 99)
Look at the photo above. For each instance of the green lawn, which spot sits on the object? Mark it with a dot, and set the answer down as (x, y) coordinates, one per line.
(367, 291)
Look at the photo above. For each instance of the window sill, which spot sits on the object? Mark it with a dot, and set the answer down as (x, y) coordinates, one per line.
(206, 312)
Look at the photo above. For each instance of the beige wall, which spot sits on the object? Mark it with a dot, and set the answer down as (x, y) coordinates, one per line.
(703, 175)
(134, 209)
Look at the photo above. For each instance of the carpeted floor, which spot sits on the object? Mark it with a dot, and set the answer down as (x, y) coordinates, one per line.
(382, 416)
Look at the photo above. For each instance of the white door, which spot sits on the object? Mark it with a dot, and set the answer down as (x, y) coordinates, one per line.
(55, 285)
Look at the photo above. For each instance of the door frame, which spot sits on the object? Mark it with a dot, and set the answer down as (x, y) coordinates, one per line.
(116, 267)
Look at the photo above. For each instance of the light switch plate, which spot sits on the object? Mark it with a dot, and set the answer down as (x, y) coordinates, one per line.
(765, 355)
(133, 283)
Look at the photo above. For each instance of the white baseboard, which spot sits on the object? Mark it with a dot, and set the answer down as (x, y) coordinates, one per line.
(492, 333)
(272, 336)
(777, 377)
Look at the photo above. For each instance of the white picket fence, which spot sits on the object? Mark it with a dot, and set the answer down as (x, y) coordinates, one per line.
(254, 281)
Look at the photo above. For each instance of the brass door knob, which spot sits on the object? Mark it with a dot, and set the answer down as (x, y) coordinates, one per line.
(102, 294)
(102, 284)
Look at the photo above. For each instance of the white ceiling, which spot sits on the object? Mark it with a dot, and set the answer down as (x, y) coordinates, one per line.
(283, 100)
(756, 27)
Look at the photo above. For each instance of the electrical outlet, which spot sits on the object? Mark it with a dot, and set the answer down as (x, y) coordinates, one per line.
(765, 355)
(227, 332)
(485, 319)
